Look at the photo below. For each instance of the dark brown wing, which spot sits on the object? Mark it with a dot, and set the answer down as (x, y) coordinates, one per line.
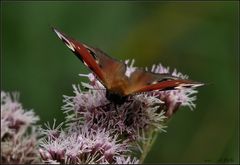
(104, 67)
(143, 81)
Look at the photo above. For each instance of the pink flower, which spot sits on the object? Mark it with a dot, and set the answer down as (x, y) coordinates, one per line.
(98, 131)
(16, 145)
(141, 111)
(81, 145)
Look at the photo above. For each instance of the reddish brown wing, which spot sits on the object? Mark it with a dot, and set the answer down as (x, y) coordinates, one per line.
(112, 72)
(104, 67)
(143, 81)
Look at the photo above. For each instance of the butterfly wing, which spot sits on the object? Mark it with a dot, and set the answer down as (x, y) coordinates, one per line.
(143, 81)
(111, 72)
(112, 69)
(104, 67)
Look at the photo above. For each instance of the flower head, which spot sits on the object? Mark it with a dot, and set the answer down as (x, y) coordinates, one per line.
(99, 131)
(81, 144)
(136, 116)
(173, 99)
(16, 145)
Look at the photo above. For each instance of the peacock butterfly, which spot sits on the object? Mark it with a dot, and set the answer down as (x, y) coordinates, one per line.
(112, 73)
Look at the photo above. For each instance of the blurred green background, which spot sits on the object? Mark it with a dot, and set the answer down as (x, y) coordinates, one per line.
(198, 38)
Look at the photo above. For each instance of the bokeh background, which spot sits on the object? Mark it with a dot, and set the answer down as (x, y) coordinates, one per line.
(198, 38)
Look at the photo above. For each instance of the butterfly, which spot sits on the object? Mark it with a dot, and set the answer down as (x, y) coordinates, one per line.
(112, 73)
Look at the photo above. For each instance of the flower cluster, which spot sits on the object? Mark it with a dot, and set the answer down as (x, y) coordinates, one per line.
(84, 145)
(175, 98)
(16, 145)
(98, 131)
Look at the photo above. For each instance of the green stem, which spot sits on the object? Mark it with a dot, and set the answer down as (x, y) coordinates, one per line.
(148, 145)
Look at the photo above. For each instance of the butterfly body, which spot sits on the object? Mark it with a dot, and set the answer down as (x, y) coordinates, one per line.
(115, 97)
(113, 73)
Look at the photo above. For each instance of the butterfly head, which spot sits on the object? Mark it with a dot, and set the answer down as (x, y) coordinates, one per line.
(115, 97)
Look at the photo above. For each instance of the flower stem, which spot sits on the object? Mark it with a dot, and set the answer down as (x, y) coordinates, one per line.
(148, 145)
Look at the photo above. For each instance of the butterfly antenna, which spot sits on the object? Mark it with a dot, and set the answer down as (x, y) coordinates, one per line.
(88, 86)
(93, 88)
(99, 89)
